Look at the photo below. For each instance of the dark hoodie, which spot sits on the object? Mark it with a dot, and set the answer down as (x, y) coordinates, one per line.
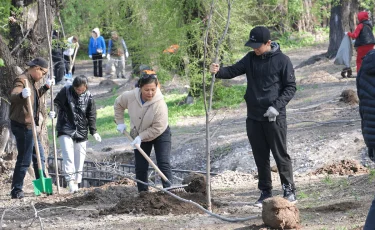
(270, 81)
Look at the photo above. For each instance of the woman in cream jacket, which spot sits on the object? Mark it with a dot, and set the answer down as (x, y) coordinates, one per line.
(148, 114)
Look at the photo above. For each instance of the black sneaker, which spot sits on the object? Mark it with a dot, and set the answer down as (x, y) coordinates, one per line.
(18, 195)
(289, 193)
(264, 195)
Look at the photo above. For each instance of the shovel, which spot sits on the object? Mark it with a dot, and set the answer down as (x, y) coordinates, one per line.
(41, 185)
(179, 188)
(69, 76)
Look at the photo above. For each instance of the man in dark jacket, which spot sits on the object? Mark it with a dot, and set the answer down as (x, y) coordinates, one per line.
(270, 86)
(21, 122)
(366, 95)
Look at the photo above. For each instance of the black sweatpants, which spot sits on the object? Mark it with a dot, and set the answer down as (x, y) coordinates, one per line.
(67, 64)
(97, 60)
(162, 146)
(265, 136)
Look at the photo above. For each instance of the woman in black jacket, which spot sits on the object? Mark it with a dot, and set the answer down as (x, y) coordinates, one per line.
(76, 116)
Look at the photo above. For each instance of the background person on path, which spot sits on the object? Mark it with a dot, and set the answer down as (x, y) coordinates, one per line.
(97, 51)
(21, 122)
(270, 86)
(117, 52)
(68, 53)
(364, 38)
(76, 117)
(148, 114)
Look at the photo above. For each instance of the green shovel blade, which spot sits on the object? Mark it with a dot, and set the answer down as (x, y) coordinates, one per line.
(42, 185)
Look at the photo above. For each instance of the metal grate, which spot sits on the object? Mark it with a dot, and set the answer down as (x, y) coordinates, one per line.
(93, 176)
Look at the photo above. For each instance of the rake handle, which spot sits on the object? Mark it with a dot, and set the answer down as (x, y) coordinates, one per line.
(161, 174)
(36, 144)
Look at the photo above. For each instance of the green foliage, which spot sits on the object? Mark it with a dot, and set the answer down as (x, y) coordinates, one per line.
(1, 62)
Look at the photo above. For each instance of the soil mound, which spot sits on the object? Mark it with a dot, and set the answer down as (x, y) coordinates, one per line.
(319, 77)
(196, 183)
(349, 96)
(280, 214)
(344, 167)
(108, 82)
(157, 203)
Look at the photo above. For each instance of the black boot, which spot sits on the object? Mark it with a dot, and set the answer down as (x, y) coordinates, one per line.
(264, 195)
(289, 193)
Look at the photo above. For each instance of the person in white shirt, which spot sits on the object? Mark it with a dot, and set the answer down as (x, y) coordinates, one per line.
(69, 51)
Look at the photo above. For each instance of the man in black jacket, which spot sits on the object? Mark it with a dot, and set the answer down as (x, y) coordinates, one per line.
(270, 86)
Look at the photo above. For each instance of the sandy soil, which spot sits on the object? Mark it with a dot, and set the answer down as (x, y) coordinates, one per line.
(322, 132)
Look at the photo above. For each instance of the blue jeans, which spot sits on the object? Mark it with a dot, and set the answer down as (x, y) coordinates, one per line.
(162, 146)
(26, 153)
(370, 221)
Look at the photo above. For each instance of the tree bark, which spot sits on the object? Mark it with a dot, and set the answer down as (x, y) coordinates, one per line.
(30, 29)
(342, 19)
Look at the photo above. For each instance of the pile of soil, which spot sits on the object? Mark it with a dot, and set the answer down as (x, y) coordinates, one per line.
(349, 96)
(319, 77)
(196, 183)
(157, 203)
(344, 167)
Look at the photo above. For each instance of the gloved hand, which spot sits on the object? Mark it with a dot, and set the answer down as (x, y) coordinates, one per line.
(26, 92)
(121, 128)
(346, 33)
(126, 54)
(271, 113)
(214, 68)
(103, 55)
(108, 56)
(97, 137)
(136, 141)
(52, 114)
(50, 82)
(353, 41)
(90, 56)
(68, 83)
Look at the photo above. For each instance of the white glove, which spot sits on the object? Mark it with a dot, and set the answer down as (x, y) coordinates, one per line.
(50, 82)
(136, 141)
(90, 56)
(353, 41)
(26, 92)
(103, 55)
(121, 128)
(271, 113)
(109, 57)
(52, 114)
(68, 83)
(126, 54)
(346, 33)
(97, 137)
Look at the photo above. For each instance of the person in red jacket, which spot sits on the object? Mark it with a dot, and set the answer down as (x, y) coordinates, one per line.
(364, 38)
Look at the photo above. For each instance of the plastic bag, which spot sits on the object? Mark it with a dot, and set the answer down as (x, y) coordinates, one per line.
(345, 52)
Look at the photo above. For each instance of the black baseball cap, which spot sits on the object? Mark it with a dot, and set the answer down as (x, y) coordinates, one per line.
(258, 36)
(38, 62)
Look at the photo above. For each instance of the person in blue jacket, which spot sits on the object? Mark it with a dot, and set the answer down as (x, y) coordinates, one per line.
(366, 95)
(97, 51)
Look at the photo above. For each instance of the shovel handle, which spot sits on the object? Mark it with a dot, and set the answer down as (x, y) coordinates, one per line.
(161, 174)
(36, 145)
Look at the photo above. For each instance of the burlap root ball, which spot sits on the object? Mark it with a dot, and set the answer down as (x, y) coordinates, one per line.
(280, 214)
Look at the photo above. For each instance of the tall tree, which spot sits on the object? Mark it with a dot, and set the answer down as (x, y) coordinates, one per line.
(25, 39)
(343, 18)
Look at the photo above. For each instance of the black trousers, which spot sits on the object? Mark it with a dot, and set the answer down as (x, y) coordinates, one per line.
(97, 60)
(162, 146)
(67, 64)
(265, 136)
